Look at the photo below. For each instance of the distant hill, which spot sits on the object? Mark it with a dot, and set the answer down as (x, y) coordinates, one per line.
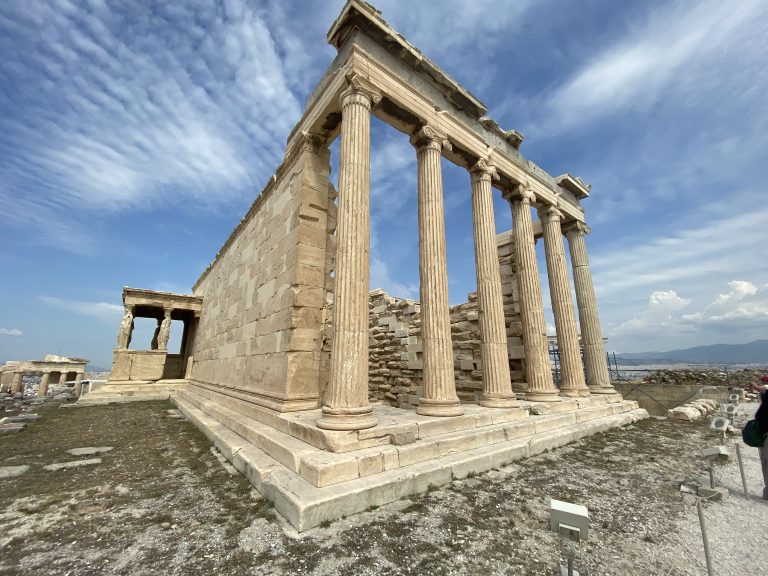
(92, 368)
(751, 353)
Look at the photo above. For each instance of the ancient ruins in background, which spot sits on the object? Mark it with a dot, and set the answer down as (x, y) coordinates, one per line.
(53, 369)
(331, 398)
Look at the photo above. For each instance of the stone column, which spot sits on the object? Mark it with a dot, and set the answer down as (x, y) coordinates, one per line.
(78, 383)
(62, 378)
(541, 388)
(439, 391)
(598, 378)
(42, 391)
(572, 382)
(346, 405)
(18, 382)
(497, 383)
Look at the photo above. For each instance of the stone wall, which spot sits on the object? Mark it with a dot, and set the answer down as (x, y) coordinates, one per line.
(395, 358)
(260, 330)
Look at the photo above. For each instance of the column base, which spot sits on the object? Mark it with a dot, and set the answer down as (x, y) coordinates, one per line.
(432, 407)
(347, 418)
(538, 396)
(602, 390)
(575, 392)
(499, 401)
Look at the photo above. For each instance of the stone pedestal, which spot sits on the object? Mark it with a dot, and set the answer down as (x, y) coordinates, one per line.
(346, 405)
(439, 391)
(137, 365)
(497, 384)
(42, 391)
(598, 377)
(541, 388)
(572, 382)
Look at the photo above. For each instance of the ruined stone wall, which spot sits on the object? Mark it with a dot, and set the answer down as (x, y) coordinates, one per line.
(260, 330)
(395, 357)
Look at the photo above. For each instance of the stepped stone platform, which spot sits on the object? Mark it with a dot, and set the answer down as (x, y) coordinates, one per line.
(132, 391)
(313, 475)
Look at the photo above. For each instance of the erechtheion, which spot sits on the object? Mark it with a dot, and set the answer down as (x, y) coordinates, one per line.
(331, 398)
(54, 368)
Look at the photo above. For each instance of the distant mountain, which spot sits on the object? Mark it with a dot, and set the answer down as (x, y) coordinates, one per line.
(751, 353)
(92, 368)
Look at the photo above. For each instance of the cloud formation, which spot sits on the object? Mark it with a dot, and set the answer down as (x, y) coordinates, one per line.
(104, 311)
(10, 332)
(738, 315)
(134, 109)
(637, 71)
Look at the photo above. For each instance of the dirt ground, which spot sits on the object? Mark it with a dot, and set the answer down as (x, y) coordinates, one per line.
(161, 502)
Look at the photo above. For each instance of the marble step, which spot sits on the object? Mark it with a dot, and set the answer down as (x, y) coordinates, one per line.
(323, 468)
(133, 392)
(306, 506)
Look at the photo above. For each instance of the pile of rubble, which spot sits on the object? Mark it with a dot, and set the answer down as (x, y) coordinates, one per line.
(707, 377)
(13, 424)
(693, 410)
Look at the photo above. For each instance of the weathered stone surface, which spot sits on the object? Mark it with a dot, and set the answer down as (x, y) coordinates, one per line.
(89, 450)
(13, 471)
(72, 464)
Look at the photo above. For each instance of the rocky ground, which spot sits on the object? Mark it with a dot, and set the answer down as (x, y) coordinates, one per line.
(160, 501)
(739, 378)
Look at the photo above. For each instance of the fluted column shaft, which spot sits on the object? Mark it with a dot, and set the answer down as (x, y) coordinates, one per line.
(598, 378)
(571, 369)
(346, 405)
(439, 390)
(497, 383)
(541, 388)
(42, 390)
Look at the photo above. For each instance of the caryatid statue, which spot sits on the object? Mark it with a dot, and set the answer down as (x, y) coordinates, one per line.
(126, 329)
(164, 332)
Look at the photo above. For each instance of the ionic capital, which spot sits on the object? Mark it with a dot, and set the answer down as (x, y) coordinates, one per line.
(483, 171)
(550, 212)
(521, 193)
(574, 226)
(359, 91)
(429, 138)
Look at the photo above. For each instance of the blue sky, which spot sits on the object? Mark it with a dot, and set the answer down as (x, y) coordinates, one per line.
(134, 136)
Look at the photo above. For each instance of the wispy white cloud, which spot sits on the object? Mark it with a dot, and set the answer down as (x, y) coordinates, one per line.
(10, 332)
(105, 311)
(712, 244)
(442, 31)
(381, 278)
(182, 102)
(637, 71)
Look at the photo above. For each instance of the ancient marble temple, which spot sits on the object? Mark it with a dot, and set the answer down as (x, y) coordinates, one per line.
(332, 399)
